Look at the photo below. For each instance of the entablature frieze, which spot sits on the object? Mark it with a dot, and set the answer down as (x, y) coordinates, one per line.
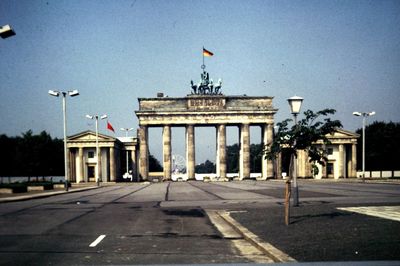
(184, 118)
(201, 119)
(91, 144)
(336, 141)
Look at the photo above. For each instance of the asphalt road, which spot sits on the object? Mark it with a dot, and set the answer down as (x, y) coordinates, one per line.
(167, 223)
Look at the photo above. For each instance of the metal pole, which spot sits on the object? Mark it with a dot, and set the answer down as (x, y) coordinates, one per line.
(203, 66)
(65, 142)
(127, 154)
(295, 187)
(363, 148)
(97, 151)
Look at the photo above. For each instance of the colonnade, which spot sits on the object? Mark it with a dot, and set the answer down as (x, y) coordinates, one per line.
(347, 162)
(108, 167)
(344, 163)
(221, 167)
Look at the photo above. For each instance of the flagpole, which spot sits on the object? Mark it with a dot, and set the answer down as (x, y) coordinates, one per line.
(203, 66)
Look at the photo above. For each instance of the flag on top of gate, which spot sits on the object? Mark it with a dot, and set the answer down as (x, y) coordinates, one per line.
(110, 127)
(207, 53)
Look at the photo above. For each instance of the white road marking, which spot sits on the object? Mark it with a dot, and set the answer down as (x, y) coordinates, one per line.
(97, 241)
(251, 247)
(274, 254)
(386, 212)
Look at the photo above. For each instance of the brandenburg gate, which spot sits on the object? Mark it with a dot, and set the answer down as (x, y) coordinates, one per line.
(205, 106)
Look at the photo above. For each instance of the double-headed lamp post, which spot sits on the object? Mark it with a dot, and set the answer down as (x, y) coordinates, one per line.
(64, 106)
(364, 115)
(96, 117)
(6, 31)
(127, 152)
(295, 105)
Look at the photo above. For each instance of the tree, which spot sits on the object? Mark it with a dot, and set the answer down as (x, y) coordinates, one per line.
(154, 164)
(382, 146)
(256, 152)
(302, 136)
(232, 161)
(232, 158)
(312, 128)
(205, 168)
(31, 155)
(7, 156)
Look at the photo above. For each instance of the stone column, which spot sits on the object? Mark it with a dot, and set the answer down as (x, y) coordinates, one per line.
(70, 166)
(267, 166)
(81, 165)
(324, 173)
(113, 172)
(99, 166)
(117, 154)
(341, 161)
(354, 160)
(190, 152)
(143, 153)
(244, 161)
(221, 151)
(134, 166)
(167, 162)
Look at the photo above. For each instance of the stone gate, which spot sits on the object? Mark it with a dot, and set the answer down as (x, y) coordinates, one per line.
(215, 110)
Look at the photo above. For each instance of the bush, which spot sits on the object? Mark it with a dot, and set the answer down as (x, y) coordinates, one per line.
(16, 187)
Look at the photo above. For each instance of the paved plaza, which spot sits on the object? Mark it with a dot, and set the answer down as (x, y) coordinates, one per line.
(201, 223)
(385, 212)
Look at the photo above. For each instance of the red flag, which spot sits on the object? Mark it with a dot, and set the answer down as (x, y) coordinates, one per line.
(110, 127)
(206, 52)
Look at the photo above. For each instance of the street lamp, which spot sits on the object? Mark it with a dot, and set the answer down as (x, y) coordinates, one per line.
(96, 117)
(6, 31)
(364, 115)
(127, 152)
(72, 93)
(295, 105)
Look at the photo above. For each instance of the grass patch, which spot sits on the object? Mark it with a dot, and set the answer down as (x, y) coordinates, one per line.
(23, 186)
(16, 187)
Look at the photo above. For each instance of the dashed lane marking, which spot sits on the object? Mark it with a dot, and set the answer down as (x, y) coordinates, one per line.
(386, 212)
(97, 241)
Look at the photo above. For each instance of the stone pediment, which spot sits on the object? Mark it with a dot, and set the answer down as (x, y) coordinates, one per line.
(90, 136)
(344, 134)
(341, 136)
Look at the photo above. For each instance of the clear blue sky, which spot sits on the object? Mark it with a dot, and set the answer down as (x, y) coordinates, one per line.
(339, 54)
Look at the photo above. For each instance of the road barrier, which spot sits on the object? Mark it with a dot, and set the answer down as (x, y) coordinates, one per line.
(380, 174)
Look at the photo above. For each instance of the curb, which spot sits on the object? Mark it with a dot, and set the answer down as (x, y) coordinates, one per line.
(276, 254)
(44, 195)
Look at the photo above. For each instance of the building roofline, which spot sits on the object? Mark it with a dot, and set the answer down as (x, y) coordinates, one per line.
(165, 98)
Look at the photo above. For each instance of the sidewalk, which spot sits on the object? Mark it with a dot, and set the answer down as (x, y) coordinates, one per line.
(44, 193)
(345, 180)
